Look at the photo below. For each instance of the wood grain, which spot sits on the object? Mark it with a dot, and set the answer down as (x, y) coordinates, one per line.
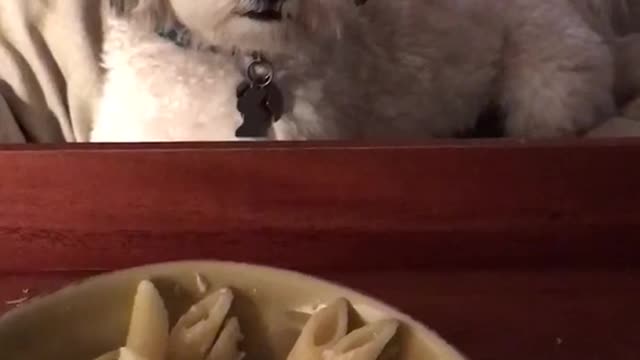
(318, 206)
(511, 250)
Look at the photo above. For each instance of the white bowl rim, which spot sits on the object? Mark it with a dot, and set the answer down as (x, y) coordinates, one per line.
(441, 346)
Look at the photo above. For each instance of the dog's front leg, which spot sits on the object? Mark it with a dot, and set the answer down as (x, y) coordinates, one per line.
(558, 75)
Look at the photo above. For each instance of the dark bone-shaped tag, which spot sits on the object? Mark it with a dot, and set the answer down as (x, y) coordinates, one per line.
(260, 102)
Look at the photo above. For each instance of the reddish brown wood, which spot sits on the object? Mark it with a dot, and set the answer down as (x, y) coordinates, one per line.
(312, 206)
(511, 250)
(551, 315)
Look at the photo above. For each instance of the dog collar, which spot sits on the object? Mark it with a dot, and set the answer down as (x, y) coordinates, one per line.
(259, 99)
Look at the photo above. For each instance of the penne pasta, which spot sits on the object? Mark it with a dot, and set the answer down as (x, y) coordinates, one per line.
(322, 331)
(366, 343)
(127, 354)
(121, 354)
(203, 334)
(227, 346)
(114, 355)
(149, 327)
(195, 332)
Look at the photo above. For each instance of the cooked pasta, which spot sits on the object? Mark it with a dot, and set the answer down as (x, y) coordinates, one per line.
(114, 355)
(323, 330)
(227, 345)
(121, 354)
(127, 354)
(365, 343)
(196, 330)
(206, 332)
(149, 326)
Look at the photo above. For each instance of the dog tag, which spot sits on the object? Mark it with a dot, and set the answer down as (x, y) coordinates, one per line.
(275, 101)
(260, 107)
(260, 101)
(256, 116)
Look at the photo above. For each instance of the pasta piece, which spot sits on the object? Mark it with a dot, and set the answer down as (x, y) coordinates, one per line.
(149, 327)
(365, 343)
(114, 355)
(196, 330)
(321, 332)
(226, 346)
(202, 283)
(127, 354)
(121, 354)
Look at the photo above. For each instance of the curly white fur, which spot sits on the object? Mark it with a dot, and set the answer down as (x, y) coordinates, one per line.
(155, 91)
(401, 69)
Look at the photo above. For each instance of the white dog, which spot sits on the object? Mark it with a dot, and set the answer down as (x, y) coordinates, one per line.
(401, 69)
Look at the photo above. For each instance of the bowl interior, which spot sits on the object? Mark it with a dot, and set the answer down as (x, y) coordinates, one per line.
(90, 318)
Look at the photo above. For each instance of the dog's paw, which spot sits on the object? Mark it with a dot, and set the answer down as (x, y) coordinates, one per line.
(558, 116)
(558, 75)
(632, 111)
(616, 127)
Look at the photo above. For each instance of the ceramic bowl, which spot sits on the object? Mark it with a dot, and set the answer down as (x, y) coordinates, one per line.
(90, 318)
